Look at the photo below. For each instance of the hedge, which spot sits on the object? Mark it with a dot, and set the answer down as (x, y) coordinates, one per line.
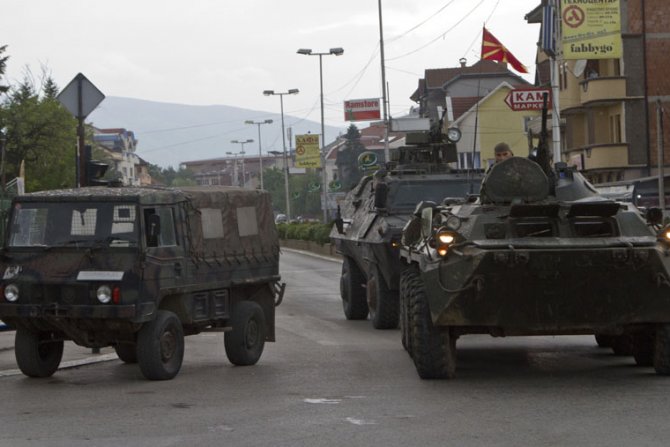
(316, 232)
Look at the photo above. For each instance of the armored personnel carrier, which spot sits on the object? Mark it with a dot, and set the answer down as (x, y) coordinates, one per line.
(368, 230)
(137, 269)
(540, 253)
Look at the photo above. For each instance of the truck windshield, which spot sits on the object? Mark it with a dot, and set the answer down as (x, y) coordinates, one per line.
(74, 224)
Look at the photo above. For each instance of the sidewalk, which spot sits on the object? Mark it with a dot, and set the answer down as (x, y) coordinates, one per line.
(73, 355)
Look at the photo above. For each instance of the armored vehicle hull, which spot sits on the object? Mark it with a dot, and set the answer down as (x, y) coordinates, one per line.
(373, 216)
(137, 269)
(524, 262)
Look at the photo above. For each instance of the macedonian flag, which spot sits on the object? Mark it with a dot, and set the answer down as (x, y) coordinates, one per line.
(493, 50)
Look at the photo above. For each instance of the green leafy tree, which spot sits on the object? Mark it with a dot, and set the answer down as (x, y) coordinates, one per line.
(3, 67)
(347, 158)
(41, 133)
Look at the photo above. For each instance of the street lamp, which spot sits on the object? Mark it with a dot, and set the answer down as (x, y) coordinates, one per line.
(236, 178)
(292, 91)
(324, 180)
(260, 155)
(242, 143)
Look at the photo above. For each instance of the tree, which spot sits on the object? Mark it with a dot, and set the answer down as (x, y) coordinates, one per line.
(41, 133)
(347, 158)
(3, 67)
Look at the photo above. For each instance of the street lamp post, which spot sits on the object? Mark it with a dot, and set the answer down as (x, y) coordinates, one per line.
(242, 143)
(324, 179)
(292, 91)
(260, 154)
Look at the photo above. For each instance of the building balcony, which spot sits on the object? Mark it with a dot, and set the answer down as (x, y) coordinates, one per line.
(599, 156)
(603, 90)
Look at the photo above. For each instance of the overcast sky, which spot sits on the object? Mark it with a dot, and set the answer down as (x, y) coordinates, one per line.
(204, 52)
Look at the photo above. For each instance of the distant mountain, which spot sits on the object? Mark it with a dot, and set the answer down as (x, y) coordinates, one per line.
(169, 134)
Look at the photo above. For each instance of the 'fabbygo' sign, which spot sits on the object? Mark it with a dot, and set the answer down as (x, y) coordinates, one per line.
(591, 29)
(307, 151)
(361, 109)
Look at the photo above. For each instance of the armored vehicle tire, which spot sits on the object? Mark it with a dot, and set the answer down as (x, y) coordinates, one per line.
(245, 343)
(662, 350)
(622, 344)
(604, 341)
(643, 349)
(354, 300)
(37, 354)
(433, 349)
(404, 311)
(382, 302)
(127, 352)
(160, 346)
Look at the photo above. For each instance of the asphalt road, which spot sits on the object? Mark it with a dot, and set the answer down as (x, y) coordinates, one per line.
(332, 382)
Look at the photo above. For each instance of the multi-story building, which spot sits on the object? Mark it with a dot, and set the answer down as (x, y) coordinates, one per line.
(119, 146)
(608, 106)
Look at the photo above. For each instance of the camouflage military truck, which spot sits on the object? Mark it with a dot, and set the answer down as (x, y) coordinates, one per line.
(137, 269)
(541, 253)
(368, 229)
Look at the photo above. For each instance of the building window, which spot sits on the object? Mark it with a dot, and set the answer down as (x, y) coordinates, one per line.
(615, 128)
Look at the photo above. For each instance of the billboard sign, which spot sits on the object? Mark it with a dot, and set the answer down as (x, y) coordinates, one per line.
(362, 109)
(591, 29)
(307, 153)
(527, 99)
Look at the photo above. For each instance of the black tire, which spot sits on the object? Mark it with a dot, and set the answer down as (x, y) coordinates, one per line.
(662, 350)
(622, 344)
(160, 346)
(604, 341)
(382, 302)
(38, 354)
(433, 350)
(127, 352)
(353, 295)
(245, 343)
(404, 312)
(643, 349)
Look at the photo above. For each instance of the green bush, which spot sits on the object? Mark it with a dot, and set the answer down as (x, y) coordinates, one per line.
(315, 232)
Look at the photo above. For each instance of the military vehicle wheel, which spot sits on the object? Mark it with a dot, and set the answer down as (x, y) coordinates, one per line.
(622, 344)
(245, 343)
(433, 350)
(382, 302)
(662, 350)
(160, 346)
(604, 341)
(643, 349)
(127, 352)
(352, 291)
(404, 311)
(37, 353)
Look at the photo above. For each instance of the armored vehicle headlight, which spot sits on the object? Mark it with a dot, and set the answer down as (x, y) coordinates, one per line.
(11, 293)
(454, 134)
(444, 239)
(104, 294)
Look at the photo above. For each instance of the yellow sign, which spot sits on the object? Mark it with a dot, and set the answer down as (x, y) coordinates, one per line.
(307, 153)
(591, 29)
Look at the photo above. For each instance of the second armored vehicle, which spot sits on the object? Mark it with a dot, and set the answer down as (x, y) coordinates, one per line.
(367, 234)
(137, 269)
(541, 254)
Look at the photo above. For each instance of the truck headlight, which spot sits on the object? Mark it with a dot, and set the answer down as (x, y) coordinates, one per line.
(104, 294)
(11, 292)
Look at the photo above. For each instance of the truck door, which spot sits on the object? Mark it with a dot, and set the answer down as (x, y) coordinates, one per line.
(165, 264)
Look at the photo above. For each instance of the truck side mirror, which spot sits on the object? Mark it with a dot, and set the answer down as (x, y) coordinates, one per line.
(426, 221)
(339, 225)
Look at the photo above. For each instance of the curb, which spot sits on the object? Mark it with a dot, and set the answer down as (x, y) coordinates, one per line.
(67, 365)
(309, 253)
